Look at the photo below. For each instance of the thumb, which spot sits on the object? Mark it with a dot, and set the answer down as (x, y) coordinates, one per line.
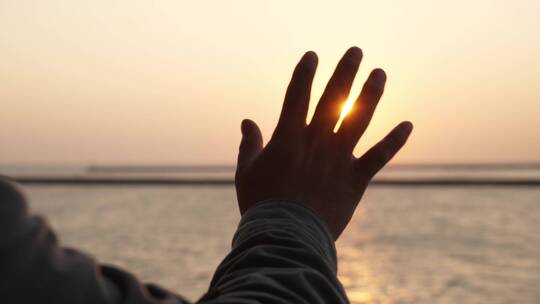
(251, 143)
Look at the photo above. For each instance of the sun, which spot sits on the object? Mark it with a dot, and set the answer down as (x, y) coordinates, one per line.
(345, 109)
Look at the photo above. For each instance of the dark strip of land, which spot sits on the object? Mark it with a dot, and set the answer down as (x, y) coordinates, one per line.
(214, 182)
(160, 169)
(228, 168)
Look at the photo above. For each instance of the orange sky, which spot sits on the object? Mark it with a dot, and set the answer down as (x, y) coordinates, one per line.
(166, 81)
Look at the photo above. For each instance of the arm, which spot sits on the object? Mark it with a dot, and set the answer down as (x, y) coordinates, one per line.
(310, 184)
(35, 269)
(282, 253)
(296, 195)
(312, 164)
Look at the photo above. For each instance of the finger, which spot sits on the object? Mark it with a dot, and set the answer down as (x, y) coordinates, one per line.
(379, 155)
(295, 107)
(358, 118)
(328, 110)
(251, 143)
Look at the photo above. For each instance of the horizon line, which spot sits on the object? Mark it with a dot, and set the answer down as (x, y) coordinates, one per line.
(229, 167)
(90, 181)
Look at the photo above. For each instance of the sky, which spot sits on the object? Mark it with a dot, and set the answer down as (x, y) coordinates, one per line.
(168, 82)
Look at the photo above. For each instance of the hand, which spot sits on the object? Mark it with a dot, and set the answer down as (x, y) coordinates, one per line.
(310, 164)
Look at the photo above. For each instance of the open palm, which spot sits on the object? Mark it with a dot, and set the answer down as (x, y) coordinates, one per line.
(311, 164)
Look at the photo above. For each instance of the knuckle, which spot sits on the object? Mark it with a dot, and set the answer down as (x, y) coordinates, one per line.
(392, 142)
(395, 142)
(374, 90)
(302, 72)
(381, 156)
(246, 143)
(349, 62)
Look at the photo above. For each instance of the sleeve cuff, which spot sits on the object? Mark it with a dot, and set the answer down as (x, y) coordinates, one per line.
(293, 217)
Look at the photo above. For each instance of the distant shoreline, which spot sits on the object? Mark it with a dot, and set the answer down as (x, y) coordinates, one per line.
(225, 182)
(227, 168)
(215, 175)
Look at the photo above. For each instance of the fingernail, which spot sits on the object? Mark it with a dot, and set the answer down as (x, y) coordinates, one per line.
(310, 57)
(244, 127)
(406, 127)
(377, 78)
(355, 52)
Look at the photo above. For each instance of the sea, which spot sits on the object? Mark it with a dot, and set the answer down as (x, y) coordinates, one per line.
(473, 240)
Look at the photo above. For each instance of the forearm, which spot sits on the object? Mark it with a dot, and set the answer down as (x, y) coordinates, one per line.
(282, 253)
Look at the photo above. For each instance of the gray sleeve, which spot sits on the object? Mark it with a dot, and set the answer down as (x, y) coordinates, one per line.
(282, 253)
(35, 269)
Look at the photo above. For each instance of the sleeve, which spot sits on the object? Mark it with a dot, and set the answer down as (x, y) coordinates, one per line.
(282, 253)
(35, 269)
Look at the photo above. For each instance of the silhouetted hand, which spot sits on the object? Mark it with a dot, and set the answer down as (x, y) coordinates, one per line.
(310, 164)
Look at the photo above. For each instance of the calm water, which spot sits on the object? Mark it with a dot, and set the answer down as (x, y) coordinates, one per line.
(404, 245)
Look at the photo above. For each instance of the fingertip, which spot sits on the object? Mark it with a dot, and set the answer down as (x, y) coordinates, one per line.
(379, 71)
(377, 78)
(245, 125)
(249, 128)
(251, 142)
(406, 127)
(311, 55)
(310, 58)
(401, 133)
(355, 52)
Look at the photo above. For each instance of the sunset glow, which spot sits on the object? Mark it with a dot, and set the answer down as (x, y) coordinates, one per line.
(345, 109)
(170, 81)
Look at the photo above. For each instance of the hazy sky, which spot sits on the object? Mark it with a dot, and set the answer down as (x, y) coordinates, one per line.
(161, 82)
